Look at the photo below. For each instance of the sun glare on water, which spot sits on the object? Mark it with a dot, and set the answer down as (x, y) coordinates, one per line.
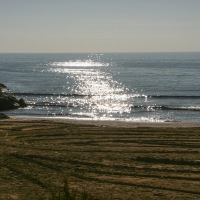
(80, 63)
(103, 93)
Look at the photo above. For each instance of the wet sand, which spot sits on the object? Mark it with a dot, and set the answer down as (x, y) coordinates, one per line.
(110, 160)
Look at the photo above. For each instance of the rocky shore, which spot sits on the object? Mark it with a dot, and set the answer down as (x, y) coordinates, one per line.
(9, 102)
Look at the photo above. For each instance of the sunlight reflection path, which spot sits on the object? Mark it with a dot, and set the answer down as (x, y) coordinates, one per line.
(103, 94)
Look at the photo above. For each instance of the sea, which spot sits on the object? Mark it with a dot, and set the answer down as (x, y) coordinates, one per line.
(134, 87)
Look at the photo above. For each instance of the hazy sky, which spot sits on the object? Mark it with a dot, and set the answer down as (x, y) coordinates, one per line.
(99, 25)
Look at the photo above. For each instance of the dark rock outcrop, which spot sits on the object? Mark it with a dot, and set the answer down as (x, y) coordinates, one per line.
(9, 102)
(2, 86)
(3, 116)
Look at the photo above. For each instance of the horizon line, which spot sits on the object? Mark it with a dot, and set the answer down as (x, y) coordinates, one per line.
(89, 52)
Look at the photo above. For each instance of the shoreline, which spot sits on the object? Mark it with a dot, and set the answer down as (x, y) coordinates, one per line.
(107, 123)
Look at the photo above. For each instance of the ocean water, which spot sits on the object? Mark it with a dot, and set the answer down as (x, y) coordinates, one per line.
(138, 87)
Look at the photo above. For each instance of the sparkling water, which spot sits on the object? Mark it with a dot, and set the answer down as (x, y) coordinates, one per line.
(140, 87)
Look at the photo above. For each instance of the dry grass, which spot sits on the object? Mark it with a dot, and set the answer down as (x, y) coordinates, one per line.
(66, 194)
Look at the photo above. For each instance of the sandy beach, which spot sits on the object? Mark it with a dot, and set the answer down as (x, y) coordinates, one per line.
(109, 159)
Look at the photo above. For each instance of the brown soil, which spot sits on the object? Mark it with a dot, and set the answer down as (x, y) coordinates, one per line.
(108, 162)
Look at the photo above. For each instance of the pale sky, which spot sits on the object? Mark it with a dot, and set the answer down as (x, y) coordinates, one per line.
(99, 26)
